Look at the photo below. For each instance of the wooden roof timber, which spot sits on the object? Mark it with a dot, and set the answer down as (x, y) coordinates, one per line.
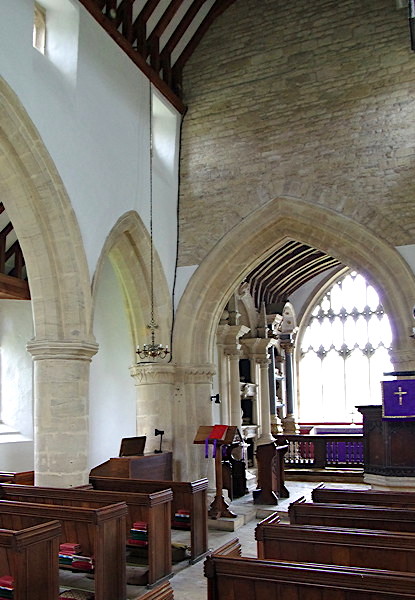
(135, 42)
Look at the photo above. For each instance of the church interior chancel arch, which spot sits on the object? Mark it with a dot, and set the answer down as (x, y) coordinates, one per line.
(207, 274)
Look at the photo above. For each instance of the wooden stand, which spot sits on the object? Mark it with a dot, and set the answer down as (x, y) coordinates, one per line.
(219, 507)
(271, 485)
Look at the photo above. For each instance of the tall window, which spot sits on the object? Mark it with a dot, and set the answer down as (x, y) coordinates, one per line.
(344, 352)
(39, 29)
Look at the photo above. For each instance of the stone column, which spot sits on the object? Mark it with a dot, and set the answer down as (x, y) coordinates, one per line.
(191, 407)
(155, 391)
(266, 437)
(61, 413)
(289, 423)
(234, 389)
(229, 346)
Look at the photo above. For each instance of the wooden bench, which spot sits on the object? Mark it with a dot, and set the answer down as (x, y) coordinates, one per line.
(160, 592)
(23, 477)
(351, 515)
(153, 509)
(231, 577)
(99, 531)
(335, 546)
(30, 556)
(371, 497)
(189, 496)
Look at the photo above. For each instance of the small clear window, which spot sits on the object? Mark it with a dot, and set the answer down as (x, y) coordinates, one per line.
(39, 29)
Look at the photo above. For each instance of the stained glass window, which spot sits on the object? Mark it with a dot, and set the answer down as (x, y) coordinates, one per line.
(344, 352)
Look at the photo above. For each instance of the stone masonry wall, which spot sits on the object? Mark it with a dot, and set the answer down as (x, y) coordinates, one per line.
(309, 100)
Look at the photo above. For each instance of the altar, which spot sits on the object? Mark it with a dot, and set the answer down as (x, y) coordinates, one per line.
(388, 447)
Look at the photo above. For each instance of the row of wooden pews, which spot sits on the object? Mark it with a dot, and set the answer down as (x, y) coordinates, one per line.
(100, 519)
(363, 548)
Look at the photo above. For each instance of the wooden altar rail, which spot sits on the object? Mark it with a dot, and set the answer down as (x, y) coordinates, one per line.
(369, 497)
(30, 556)
(335, 546)
(100, 531)
(322, 451)
(190, 496)
(352, 515)
(231, 577)
(153, 508)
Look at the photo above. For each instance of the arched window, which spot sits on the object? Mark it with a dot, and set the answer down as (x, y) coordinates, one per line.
(344, 352)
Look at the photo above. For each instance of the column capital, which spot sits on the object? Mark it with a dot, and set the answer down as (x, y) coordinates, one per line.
(195, 373)
(230, 334)
(150, 373)
(287, 346)
(258, 346)
(62, 350)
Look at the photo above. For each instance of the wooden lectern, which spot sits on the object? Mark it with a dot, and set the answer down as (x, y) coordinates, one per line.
(216, 436)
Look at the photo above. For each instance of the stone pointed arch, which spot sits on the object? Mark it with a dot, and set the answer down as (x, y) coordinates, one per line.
(128, 247)
(40, 210)
(256, 237)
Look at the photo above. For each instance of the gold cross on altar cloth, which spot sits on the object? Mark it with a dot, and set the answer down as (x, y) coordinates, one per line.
(400, 393)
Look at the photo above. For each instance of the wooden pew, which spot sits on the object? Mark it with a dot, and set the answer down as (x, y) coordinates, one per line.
(231, 577)
(153, 508)
(190, 496)
(335, 546)
(160, 592)
(99, 531)
(351, 515)
(371, 497)
(23, 477)
(30, 556)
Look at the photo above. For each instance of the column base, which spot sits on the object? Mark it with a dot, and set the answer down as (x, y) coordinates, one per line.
(289, 425)
(276, 425)
(266, 438)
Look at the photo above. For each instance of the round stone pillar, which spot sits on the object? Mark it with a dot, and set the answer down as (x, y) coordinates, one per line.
(61, 413)
(155, 390)
(266, 437)
(289, 423)
(235, 390)
(192, 408)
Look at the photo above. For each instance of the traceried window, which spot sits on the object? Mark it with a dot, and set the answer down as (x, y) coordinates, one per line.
(39, 29)
(344, 352)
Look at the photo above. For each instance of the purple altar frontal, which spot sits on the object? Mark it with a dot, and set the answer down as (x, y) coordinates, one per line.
(398, 399)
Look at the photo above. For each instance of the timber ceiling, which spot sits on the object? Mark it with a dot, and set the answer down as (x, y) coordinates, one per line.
(158, 35)
(285, 271)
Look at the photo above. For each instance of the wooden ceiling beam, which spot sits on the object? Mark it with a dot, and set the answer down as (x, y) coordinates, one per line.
(107, 23)
(216, 10)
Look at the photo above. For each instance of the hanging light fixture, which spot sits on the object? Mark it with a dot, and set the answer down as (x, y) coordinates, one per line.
(152, 350)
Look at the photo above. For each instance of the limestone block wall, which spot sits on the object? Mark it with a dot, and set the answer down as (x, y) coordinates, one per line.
(309, 101)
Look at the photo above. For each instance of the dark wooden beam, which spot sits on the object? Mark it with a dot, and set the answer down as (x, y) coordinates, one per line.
(12, 288)
(92, 7)
(181, 28)
(216, 10)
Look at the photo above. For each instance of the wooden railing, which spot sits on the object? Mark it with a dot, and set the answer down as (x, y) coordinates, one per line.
(322, 451)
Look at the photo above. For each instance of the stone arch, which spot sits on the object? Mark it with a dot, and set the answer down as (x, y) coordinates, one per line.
(40, 210)
(128, 247)
(48, 232)
(257, 236)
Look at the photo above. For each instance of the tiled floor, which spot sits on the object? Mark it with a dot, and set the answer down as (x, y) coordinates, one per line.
(190, 583)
